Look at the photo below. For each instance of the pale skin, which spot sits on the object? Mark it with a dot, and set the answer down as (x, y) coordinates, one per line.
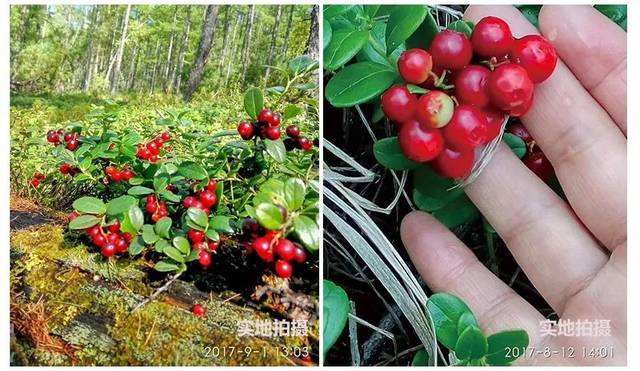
(574, 253)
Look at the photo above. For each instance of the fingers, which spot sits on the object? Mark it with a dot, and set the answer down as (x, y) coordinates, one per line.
(586, 148)
(595, 49)
(553, 248)
(447, 265)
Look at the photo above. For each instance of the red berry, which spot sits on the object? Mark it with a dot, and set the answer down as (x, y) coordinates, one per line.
(434, 109)
(165, 136)
(72, 215)
(305, 144)
(495, 119)
(197, 204)
(272, 132)
(114, 227)
(471, 85)
(213, 245)
(284, 269)
(212, 185)
(293, 131)
(538, 163)
(208, 198)
(414, 65)
(195, 236)
(188, 201)
(65, 168)
(53, 137)
(300, 255)
(536, 55)
(94, 231)
(451, 50)
(68, 136)
(418, 143)
(99, 240)
(122, 245)
(265, 115)
(112, 237)
(521, 109)
(153, 148)
(127, 237)
(245, 129)
(204, 258)
(520, 131)
(153, 158)
(453, 164)
(110, 170)
(398, 104)
(467, 128)
(117, 176)
(262, 247)
(285, 249)
(274, 120)
(108, 250)
(127, 174)
(491, 37)
(198, 310)
(510, 86)
(35, 183)
(72, 145)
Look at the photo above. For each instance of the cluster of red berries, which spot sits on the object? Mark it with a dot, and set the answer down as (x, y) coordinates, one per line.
(67, 169)
(110, 243)
(267, 126)
(203, 200)
(151, 150)
(37, 178)
(156, 208)
(205, 247)
(116, 176)
(295, 140)
(71, 138)
(446, 131)
(534, 159)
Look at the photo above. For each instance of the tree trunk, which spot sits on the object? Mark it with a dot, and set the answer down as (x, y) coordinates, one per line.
(247, 43)
(285, 46)
(167, 69)
(152, 86)
(206, 40)
(91, 57)
(233, 47)
(176, 75)
(313, 43)
(133, 69)
(274, 40)
(118, 63)
(225, 42)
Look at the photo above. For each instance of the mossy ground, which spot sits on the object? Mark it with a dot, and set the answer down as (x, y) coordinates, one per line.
(88, 304)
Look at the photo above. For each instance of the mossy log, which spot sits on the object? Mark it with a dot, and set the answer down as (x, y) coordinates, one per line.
(69, 306)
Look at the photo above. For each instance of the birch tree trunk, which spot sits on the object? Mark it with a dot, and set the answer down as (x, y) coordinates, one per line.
(225, 42)
(118, 62)
(152, 86)
(91, 57)
(287, 33)
(233, 47)
(274, 40)
(176, 75)
(133, 69)
(167, 70)
(206, 40)
(313, 42)
(247, 43)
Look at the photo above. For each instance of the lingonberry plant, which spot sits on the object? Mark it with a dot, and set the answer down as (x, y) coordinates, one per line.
(178, 209)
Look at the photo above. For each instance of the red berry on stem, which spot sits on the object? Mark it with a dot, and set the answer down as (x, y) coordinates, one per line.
(99, 240)
(414, 65)
(35, 183)
(536, 55)
(245, 129)
(198, 310)
(495, 119)
(453, 164)
(127, 175)
(153, 148)
(274, 120)
(65, 168)
(195, 236)
(293, 131)
(471, 85)
(272, 132)
(300, 255)
(262, 247)
(204, 258)
(213, 245)
(418, 143)
(212, 185)
(451, 50)
(188, 201)
(265, 115)
(114, 227)
(284, 269)
(520, 131)
(510, 87)
(398, 104)
(72, 145)
(285, 249)
(538, 163)
(166, 136)
(305, 144)
(108, 250)
(122, 245)
(521, 109)
(467, 128)
(491, 37)
(208, 198)
(434, 109)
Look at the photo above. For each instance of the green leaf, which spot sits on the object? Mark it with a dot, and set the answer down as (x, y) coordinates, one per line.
(162, 227)
(531, 13)
(302, 64)
(616, 13)
(294, 192)
(307, 231)
(182, 244)
(121, 204)
(517, 145)
(501, 342)
(212, 235)
(376, 49)
(173, 253)
(84, 222)
(191, 170)
(161, 245)
(136, 217)
(358, 83)
(326, 32)
(466, 27)
(198, 216)
(253, 102)
(472, 344)
(388, 153)
(139, 191)
(466, 319)
(291, 111)
(445, 310)
(402, 23)
(89, 205)
(149, 235)
(421, 358)
(269, 216)
(457, 212)
(276, 149)
(414, 89)
(335, 309)
(163, 266)
(371, 10)
(344, 45)
(220, 223)
(422, 37)
(431, 191)
(332, 11)
(136, 246)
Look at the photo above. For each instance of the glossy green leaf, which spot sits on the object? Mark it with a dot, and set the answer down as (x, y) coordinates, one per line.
(307, 231)
(269, 216)
(191, 170)
(291, 111)
(344, 45)
(198, 216)
(370, 10)
(276, 149)
(173, 253)
(335, 308)
(326, 33)
(422, 37)
(445, 310)
(389, 154)
(163, 266)
(149, 235)
(84, 222)
(403, 22)
(89, 205)
(517, 145)
(466, 27)
(459, 211)
(182, 244)
(221, 223)
(421, 358)
(331, 11)
(253, 102)
(140, 191)
(162, 227)
(136, 217)
(431, 191)
(136, 246)
(160, 245)
(472, 344)
(120, 204)
(502, 344)
(358, 83)
(294, 192)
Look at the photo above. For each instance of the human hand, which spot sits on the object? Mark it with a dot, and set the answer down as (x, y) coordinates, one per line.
(574, 254)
